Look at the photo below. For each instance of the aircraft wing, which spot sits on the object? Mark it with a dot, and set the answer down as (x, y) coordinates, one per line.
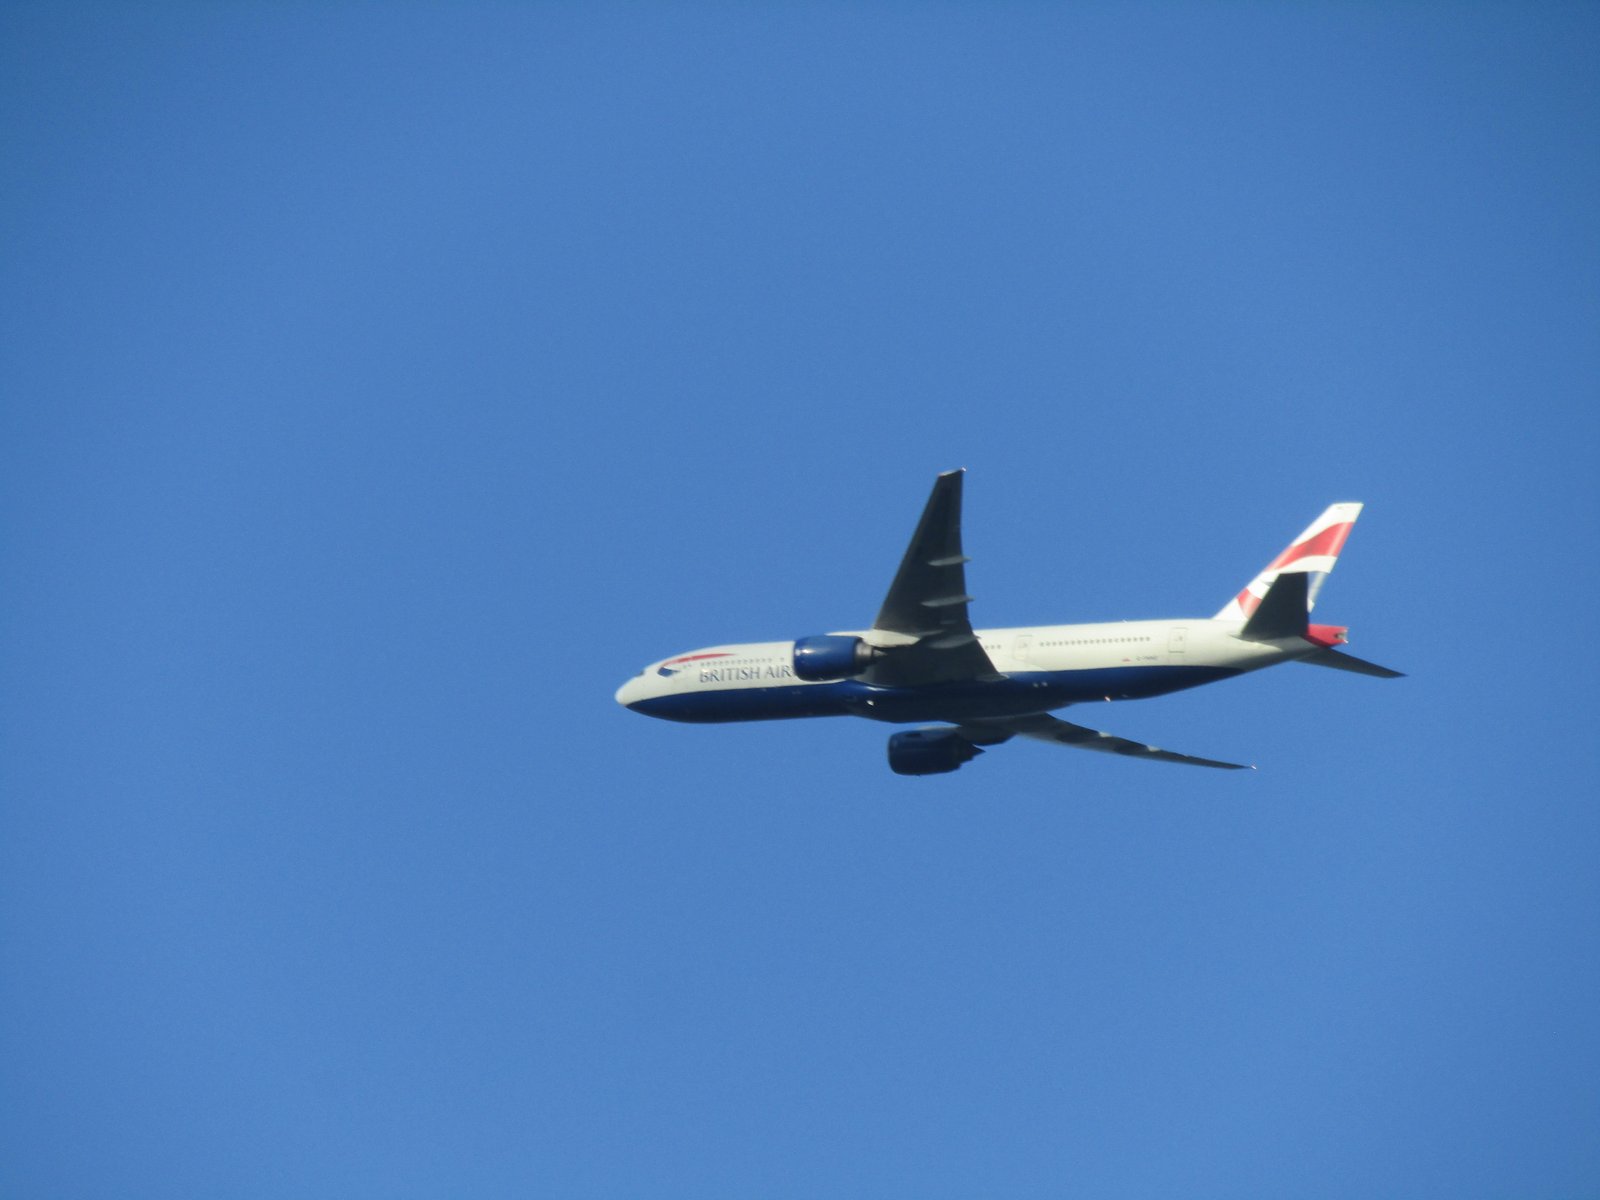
(927, 636)
(1046, 728)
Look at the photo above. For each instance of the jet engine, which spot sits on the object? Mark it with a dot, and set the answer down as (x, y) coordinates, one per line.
(831, 656)
(929, 751)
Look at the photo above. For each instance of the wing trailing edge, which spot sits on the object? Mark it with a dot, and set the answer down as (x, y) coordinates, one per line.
(1045, 728)
(923, 626)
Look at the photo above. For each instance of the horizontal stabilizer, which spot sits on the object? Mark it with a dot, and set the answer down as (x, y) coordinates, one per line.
(1341, 661)
(1283, 611)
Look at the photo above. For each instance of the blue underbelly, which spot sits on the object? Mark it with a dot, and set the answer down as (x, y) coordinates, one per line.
(1023, 692)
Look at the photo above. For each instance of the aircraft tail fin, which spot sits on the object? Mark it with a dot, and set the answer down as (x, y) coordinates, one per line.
(1312, 554)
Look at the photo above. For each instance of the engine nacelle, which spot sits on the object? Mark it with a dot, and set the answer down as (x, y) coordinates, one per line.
(929, 751)
(831, 656)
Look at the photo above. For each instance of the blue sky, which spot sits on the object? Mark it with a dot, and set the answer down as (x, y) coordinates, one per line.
(381, 386)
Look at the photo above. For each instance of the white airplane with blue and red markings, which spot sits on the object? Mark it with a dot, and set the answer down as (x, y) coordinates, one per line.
(923, 661)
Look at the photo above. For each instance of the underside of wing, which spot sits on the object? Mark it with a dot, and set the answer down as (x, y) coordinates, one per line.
(1046, 728)
(923, 628)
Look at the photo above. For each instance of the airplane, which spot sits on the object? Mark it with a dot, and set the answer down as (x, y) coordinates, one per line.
(922, 661)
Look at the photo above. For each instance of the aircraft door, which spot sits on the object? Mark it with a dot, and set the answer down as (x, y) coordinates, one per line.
(1021, 647)
(1177, 642)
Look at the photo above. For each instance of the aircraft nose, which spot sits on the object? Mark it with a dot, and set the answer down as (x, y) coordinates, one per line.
(628, 692)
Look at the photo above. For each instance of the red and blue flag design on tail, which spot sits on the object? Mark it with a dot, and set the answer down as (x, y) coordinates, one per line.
(1314, 552)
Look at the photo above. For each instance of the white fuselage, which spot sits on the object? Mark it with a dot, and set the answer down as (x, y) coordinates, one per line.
(1042, 667)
